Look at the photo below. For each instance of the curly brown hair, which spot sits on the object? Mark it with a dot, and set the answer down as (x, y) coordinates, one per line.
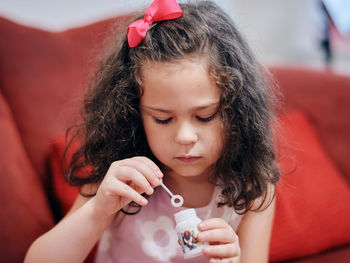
(112, 126)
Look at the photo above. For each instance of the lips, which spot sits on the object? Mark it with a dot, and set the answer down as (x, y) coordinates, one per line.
(188, 159)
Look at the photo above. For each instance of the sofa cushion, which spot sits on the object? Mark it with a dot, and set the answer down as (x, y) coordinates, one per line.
(43, 76)
(312, 209)
(324, 97)
(24, 213)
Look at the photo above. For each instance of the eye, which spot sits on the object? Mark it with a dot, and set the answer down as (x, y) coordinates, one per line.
(208, 119)
(159, 121)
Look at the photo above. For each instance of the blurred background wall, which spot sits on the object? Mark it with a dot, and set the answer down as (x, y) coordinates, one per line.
(281, 32)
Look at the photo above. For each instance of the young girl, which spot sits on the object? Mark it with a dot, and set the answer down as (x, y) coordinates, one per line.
(181, 100)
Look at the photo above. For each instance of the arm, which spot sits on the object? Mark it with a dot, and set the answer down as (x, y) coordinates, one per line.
(75, 235)
(72, 238)
(254, 235)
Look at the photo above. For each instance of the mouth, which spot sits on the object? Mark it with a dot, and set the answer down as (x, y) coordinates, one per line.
(188, 159)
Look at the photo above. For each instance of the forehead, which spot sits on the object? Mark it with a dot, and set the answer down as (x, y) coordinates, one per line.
(185, 81)
(174, 65)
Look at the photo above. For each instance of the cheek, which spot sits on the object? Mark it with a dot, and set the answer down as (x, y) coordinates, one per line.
(155, 137)
(149, 129)
(159, 147)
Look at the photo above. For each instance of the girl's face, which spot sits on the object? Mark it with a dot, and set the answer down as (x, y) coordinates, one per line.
(179, 109)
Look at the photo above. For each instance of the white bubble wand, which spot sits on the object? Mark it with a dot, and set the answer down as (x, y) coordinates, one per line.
(176, 200)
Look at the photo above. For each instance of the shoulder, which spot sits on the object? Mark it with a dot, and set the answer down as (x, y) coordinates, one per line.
(262, 210)
(266, 200)
(255, 228)
(261, 214)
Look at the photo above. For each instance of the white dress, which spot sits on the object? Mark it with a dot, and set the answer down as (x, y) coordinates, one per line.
(150, 236)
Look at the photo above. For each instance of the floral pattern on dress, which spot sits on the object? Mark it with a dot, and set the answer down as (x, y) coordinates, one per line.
(150, 245)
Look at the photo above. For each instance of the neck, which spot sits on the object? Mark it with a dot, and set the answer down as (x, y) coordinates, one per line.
(196, 190)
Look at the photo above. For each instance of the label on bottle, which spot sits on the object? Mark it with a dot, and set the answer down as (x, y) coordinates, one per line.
(189, 242)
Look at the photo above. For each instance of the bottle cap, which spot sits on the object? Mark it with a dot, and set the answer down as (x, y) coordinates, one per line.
(185, 214)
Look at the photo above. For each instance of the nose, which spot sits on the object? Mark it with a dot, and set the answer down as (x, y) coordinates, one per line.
(186, 134)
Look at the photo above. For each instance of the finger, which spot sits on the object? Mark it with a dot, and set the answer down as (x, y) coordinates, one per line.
(156, 175)
(213, 223)
(216, 230)
(151, 164)
(224, 260)
(145, 167)
(154, 167)
(220, 235)
(221, 251)
(132, 176)
(118, 188)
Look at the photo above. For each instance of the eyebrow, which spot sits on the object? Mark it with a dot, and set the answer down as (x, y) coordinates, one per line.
(170, 111)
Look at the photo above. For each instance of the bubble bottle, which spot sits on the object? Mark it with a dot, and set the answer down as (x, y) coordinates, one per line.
(186, 227)
(187, 230)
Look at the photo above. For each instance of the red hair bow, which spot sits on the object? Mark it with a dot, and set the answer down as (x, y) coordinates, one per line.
(159, 10)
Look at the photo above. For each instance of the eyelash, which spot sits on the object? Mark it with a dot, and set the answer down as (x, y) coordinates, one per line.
(162, 121)
(166, 121)
(208, 119)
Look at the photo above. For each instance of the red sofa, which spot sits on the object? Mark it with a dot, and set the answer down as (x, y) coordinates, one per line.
(43, 76)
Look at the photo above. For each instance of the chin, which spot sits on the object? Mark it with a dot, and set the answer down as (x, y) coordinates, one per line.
(189, 171)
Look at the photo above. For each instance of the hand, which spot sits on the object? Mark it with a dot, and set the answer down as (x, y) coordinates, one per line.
(124, 182)
(223, 241)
